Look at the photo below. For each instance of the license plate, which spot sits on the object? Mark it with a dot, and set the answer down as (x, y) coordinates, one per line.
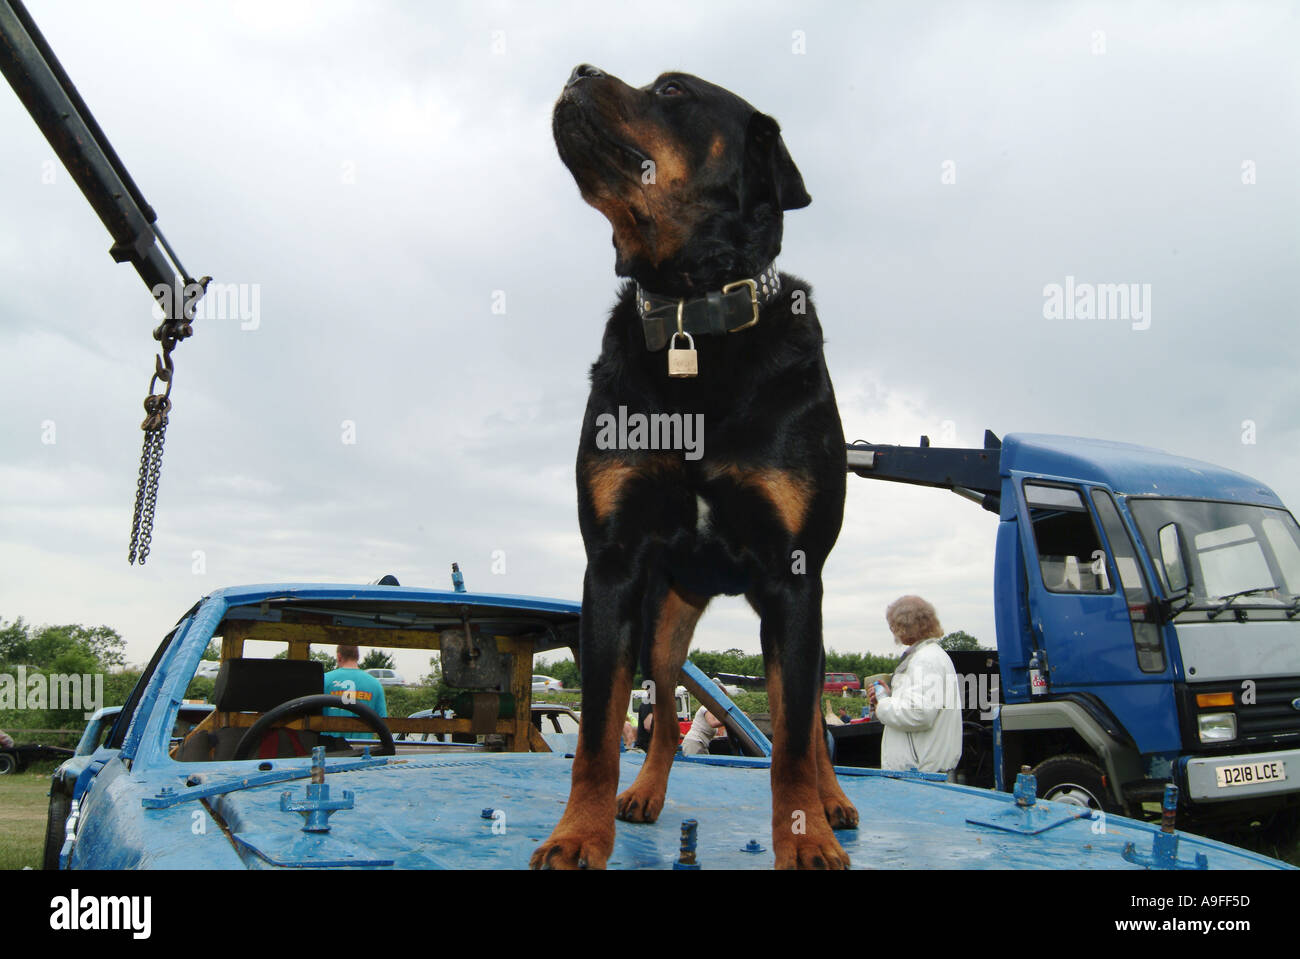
(1249, 774)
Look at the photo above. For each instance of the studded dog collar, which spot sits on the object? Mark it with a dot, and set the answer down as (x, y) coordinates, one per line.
(730, 310)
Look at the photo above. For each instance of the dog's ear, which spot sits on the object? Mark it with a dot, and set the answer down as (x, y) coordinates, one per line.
(770, 175)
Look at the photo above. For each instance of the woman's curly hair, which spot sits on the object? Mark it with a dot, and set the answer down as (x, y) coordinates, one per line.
(911, 619)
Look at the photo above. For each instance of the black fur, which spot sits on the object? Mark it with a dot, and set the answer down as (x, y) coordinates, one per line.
(764, 393)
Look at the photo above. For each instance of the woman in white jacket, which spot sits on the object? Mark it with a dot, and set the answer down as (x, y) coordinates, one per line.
(922, 712)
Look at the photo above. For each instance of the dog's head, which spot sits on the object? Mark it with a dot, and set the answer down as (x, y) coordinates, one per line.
(692, 178)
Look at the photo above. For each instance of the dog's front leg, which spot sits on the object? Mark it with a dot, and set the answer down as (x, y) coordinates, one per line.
(840, 812)
(584, 836)
(791, 634)
(674, 625)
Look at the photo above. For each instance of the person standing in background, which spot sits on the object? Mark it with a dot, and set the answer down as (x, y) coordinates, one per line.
(703, 729)
(922, 712)
(351, 683)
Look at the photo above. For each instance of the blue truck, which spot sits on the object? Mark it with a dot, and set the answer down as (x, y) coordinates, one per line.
(1147, 609)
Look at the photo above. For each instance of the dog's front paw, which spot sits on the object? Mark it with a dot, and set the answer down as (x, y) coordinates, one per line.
(573, 849)
(638, 804)
(818, 849)
(840, 813)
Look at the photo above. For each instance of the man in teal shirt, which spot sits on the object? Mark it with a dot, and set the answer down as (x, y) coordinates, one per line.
(354, 685)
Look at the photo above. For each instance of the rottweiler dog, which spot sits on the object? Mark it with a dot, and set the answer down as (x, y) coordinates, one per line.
(695, 183)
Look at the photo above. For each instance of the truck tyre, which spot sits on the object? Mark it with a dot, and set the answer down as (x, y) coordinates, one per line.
(1077, 780)
(8, 764)
(56, 824)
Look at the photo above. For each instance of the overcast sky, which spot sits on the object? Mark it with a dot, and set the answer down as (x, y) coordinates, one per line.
(381, 174)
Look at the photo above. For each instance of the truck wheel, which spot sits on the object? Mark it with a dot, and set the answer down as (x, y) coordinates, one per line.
(1077, 780)
(55, 827)
(8, 764)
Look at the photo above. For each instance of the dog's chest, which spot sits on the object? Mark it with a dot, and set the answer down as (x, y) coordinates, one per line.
(710, 556)
(703, 515)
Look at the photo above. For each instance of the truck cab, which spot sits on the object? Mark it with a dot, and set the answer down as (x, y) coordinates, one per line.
(1147, 609)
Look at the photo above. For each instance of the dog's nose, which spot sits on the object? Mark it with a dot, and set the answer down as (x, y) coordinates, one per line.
(583, 71)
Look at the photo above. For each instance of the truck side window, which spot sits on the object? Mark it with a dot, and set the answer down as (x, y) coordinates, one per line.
(1146, 633)
(1070, 556)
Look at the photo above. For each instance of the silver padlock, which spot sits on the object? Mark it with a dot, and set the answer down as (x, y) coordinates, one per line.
(682, 363)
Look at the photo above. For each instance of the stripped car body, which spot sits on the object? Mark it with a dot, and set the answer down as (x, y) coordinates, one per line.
(93, 748)
(429, 806)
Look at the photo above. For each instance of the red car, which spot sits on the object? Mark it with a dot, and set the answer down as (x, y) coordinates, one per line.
(841, 683)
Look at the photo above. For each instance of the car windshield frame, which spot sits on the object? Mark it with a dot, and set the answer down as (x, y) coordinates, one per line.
(1233, 547)
(97, 731)
(520, 625)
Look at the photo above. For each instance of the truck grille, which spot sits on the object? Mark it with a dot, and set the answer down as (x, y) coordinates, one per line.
(1272, 714)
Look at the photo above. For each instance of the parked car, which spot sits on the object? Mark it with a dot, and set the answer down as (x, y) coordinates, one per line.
(842, 684)
(558, 726)
(98, 729)
(552, 718)
(387, 677)
(547, 684)
(240, 756)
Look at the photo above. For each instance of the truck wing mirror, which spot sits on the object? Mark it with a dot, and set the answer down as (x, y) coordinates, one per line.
(1173, 557)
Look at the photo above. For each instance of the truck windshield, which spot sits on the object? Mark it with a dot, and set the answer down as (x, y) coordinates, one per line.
(1248, 552)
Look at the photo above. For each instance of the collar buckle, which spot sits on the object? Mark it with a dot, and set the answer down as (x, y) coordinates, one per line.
(753, 299)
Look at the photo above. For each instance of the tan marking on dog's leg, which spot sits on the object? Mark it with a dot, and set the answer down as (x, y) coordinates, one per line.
(605, 480)
(840, 812)
(584, 836)
(789, 491)
(644, 799)
(607, 476)
(801, 836)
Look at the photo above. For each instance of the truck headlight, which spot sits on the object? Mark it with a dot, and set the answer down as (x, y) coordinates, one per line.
(1216, 727)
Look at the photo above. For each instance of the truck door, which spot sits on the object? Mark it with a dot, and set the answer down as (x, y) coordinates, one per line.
(1078, 615)
(1090, 608)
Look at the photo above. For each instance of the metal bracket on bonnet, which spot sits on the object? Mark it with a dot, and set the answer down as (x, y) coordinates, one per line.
(1026, 815)
(1164, 844)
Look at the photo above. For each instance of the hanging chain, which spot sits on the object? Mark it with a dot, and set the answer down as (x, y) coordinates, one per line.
(157, 406)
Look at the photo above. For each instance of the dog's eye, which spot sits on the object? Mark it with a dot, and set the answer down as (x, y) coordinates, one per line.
(671, 88)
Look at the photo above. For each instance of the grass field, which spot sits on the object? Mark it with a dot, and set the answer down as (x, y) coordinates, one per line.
(24, 801)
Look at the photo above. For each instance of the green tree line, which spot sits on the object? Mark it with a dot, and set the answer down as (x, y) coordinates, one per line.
(738, 662)
(68, 650)
(86, 650)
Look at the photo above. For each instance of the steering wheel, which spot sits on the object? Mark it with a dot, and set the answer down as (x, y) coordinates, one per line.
(306, 705)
